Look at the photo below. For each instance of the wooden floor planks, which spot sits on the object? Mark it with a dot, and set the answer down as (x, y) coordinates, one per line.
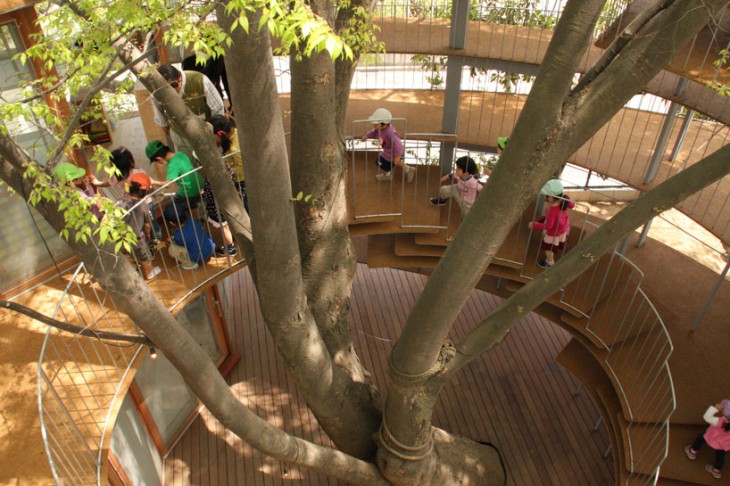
(515, 396)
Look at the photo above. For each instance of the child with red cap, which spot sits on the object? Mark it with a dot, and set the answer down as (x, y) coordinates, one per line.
(138, 218)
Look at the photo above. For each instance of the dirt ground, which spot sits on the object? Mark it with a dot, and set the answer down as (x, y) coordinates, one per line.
(23, 459)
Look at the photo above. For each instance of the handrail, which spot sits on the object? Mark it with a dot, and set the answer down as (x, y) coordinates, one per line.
(80, 380)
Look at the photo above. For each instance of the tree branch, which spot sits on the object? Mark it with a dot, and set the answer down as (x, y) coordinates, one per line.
(621, 41)
(664, 196)
(82, 331)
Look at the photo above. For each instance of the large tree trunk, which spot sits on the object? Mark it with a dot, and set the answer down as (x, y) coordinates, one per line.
(549, 130)
(345, 409)
(319, 170)
(125, 286)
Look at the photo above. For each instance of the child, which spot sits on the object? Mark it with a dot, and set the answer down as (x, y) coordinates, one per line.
(555, 222)
(178, 164)
(123, 160)
(226, 137)
(67, 172)
(391, 145)
(190, 244)
(716, 436)
(139, 220)
(462, 185)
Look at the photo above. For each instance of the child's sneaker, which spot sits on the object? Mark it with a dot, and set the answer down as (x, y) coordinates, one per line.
(153, 273)
(229, 250)
(152, 245)
(410, 174)
(437, 201)
(715, 472)
(690, 453)
(189, 266)
(544, 264)
(383, 177)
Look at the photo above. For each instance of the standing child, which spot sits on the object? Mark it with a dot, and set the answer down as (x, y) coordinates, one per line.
(716, 436)
(140, 221)
(188, 194)
(555, 222)
(226, 137)
(190, 245)
(463, 185)
(391, 146)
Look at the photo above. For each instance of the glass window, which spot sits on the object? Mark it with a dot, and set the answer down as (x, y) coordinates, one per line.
(167, 398)
(196, 318)
(28, 245)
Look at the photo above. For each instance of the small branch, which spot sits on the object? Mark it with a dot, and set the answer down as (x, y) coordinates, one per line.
(618, 44)
(82, 331)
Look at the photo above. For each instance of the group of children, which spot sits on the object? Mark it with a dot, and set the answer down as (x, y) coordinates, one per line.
(188, 243)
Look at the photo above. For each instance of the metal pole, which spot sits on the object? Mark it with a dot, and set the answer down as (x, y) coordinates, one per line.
(665, 133)
(644, 233)
(661, 143)
(624, 245)
(459, 18)
(712, 295)
(450, 120)
(682, 134)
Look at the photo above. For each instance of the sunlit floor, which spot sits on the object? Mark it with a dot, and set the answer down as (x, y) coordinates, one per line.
(516, 396)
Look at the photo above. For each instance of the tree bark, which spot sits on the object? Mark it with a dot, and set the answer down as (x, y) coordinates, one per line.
(128, 290)
(665, 196)
(329, 389)
(550, 128)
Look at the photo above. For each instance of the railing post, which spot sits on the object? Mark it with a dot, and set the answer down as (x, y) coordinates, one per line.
(711, 296)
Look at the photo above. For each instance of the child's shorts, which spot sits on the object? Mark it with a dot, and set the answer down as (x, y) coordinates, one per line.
(192, 201)
(555, 244)
(142, 250)
(385, 165)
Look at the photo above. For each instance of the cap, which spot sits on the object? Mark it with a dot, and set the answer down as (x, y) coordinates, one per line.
(141, 179)
(553, 188)
(502, 142)
(153, 148)
(381, 115)
(66, 171)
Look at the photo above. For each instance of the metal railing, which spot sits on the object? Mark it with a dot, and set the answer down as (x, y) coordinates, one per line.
(606, 303)
(82, 380)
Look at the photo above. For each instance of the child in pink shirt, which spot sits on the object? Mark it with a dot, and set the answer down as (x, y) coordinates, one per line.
(462, 185)
(555, 222)
(716, 436)
(391, 146)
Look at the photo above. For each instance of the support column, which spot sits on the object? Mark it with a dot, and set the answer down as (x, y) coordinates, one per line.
(682, 134)
(450, 120)
(661, 143)
(666, 131)
(459, 18)
(644, 233)
(713, 293)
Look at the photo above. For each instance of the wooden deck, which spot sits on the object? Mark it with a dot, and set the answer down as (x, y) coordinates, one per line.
(516, 387)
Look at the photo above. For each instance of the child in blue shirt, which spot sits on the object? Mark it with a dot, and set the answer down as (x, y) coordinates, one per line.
(190, 244)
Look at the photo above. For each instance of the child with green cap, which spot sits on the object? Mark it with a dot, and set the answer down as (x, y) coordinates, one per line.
(69, 173)
(555, 222)
(178, 164)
